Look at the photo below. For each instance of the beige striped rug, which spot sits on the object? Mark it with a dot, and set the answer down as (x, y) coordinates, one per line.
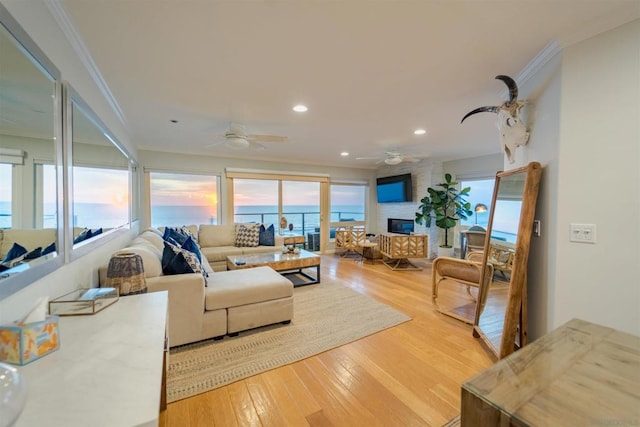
(326, 315)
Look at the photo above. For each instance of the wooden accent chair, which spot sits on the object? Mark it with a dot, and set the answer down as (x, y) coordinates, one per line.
(466, 271)
(475, 240)
(396, 250)
(349, 240)
(501, 258)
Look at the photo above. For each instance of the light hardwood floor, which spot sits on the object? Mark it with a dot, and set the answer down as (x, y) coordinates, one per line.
(408, 375)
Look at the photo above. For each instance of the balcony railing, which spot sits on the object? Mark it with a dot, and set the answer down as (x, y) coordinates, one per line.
(303, 222)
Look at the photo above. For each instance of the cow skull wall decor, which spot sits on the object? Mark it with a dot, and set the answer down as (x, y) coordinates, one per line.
(513, 130)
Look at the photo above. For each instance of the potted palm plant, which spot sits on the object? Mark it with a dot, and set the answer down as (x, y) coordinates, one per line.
(446, 206)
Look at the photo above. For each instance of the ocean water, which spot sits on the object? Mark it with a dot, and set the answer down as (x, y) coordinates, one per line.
(303, 217)
(96, 215)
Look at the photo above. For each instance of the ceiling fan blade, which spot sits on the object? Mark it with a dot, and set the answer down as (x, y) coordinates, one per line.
(268, 138)
(368, 158)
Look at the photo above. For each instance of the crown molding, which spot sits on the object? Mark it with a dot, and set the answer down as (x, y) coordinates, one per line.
(80, 48)
(538, 62)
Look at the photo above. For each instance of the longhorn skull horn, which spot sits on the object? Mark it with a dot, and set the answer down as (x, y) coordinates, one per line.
(511, 104)
(513, 131)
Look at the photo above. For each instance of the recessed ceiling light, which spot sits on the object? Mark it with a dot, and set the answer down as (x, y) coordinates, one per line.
(300, 108)
(419, 132)
(344, 153)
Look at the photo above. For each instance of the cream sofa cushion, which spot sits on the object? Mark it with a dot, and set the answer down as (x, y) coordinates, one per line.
(219, 253)
(153, 238)
(246, 286)
(217, 235)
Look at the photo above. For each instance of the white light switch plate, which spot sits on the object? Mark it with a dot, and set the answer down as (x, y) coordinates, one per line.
(583, 233)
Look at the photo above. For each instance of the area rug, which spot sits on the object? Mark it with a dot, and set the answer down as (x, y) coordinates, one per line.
(326, 315)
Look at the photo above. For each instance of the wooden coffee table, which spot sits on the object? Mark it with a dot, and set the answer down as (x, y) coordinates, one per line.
(292, 266)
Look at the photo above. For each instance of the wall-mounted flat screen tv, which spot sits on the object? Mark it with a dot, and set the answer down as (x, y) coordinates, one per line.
(394, 189)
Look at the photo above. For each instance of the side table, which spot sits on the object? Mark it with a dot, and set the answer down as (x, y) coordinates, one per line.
(581, 374)
(368, 251)
(294, 239)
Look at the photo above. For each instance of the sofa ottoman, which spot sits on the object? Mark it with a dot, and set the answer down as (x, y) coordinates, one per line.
(261, 297)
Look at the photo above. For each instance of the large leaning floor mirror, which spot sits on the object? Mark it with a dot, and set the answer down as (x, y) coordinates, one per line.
(501, 312)
(30, 160)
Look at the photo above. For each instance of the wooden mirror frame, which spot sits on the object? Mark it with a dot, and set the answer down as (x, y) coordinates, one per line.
(516, 307)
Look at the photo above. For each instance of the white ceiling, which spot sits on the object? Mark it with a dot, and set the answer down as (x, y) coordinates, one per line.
(370, 71)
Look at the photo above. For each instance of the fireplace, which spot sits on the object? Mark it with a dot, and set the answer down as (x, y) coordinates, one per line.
(400, 226)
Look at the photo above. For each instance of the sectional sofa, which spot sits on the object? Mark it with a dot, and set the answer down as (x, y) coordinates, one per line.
(225, 302)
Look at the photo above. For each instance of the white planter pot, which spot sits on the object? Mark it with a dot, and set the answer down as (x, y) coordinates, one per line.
(445, 251)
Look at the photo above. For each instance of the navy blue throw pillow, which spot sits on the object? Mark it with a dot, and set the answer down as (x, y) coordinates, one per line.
(15, 252)
(36, 253)
(84, 235)
(192, 246)
(49, 249)
(96, 232)
(267, 236)
(174, 234)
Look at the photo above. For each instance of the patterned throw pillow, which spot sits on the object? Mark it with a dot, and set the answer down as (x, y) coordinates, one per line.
(248, 235)
(176, 260)
(267, 236)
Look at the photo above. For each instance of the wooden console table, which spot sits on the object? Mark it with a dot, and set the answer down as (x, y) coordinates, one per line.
(108, 371)
(580, 374)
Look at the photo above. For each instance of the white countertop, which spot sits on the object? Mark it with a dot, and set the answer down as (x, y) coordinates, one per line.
(107, 371)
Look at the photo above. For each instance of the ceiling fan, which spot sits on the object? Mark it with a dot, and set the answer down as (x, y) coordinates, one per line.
(393, 158)
(236, 137)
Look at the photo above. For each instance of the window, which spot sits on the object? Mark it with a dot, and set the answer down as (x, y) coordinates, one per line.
(481, 194)
(348, 202)
(183, 199)
(5, 195)
(255, 200)
(49, 207)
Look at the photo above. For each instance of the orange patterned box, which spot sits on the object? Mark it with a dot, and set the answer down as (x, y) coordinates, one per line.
(23, 343)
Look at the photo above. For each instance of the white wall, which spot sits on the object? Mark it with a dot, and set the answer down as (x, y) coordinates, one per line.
(543, 92)
(599, 182)
(475, 167)
(424, 174)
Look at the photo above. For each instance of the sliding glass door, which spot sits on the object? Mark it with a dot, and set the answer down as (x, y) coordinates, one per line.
(275, 200)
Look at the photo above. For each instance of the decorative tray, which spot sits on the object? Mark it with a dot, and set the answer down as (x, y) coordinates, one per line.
(83, 301)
